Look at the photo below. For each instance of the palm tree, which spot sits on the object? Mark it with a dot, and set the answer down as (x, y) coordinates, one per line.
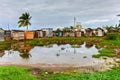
(119, 20)
(24, 20)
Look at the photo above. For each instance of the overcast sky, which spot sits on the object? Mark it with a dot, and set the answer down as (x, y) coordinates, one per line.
(59, 13)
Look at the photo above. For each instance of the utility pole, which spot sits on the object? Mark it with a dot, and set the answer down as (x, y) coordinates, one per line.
(8, 27)
(74, 21)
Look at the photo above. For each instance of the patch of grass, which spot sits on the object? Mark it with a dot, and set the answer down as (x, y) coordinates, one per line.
(112, 36)
(105, 52)
(15, 73)
(106, 75)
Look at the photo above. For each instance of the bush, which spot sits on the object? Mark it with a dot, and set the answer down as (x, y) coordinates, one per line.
(112, 36)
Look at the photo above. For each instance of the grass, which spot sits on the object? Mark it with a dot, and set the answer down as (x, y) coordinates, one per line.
(106, 75)
(15, 73)
(105, 52)
(61, 40)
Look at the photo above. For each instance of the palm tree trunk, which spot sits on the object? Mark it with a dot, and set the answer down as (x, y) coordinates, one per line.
(27, 27)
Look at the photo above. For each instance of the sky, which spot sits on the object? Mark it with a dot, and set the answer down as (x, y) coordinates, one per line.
(60, 13)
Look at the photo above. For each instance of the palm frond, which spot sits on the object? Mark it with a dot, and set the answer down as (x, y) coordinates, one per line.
(24, 20)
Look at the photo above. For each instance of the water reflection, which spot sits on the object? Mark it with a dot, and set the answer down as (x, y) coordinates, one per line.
(25, 55)
(51, 54)
(89, 44)
(1, 53)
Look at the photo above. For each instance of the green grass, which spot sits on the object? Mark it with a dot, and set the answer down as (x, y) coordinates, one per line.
(61, 40)
(15, 73)
(107, 75)
(105, 52)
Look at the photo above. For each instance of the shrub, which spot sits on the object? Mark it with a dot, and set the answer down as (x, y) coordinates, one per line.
(112, 36)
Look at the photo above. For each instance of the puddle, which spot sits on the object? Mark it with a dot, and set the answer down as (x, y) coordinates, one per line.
(53, 54)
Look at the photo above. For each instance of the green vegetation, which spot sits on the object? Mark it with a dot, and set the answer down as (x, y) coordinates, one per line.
(106, 75)
(105, 52)
(61, 40)
(15, 73)
(112, 36)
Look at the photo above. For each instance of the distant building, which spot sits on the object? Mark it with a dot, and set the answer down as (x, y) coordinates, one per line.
(100, 32)
(78, 26)
(29, 34)
(88, 32)
(17, 34)
(1, 34)
(49, 32)
(7, 35)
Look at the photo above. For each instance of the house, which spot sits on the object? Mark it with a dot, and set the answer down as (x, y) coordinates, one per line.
(82, 32)
(55, 33)
(66, 34)
(78, 26)
(7, 35)
(72, 34)
(88, 32)
(111, 30)
(1, 34)
(17, 34)
(78, 33)
(99, 32)
(48, 32)
(58, 33)
(37, 34)
(29, 34)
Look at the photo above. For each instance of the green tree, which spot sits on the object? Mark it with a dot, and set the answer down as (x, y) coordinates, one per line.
(24, 20)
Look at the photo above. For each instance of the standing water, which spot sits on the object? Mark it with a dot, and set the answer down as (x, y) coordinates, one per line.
(53, 54)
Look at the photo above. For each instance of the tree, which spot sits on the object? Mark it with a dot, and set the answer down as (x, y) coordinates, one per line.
(24, 20)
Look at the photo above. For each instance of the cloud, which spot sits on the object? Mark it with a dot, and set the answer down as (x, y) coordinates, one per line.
(96, 21)
(54, 13)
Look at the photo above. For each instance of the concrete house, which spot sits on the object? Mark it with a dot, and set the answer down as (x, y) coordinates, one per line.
(66, 34)
(72, 34)
(99, 32)
(17, 34)
(48, 32)
(78, 34)
(1, 34)
(7, 34)
(88, 32)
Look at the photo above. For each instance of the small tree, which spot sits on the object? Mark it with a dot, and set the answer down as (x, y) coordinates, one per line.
(24, 20)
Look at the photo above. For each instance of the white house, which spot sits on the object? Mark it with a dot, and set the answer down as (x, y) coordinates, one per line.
(99, 32)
